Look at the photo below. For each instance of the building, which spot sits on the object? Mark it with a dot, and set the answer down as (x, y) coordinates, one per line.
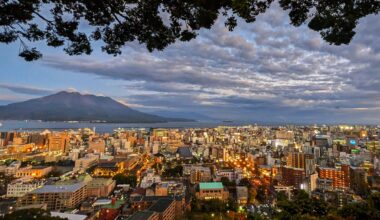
(233, 175)
(68, 216)
(211, 190)
(200, 174)
(241, 194)
(58, 141)
(312, 181)
(165, 208)
(284, 134)
(149, 179)
(100, 187)
(11, 169)
(292, 176)
(108, 168)
(339, 176)
(97, 146)
(35, 171)
(184, 153)
(19, 188)
(112, 210)
(301, 160)
(56, 197)
(86, 162)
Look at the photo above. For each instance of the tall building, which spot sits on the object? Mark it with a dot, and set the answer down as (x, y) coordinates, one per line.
(296, 160)
(303, 161)
(292, 176)
(339, 176)
(200, 174)
(58, 141)
(56, 197)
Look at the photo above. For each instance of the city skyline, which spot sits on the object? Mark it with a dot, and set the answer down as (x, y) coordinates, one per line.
(267, 71)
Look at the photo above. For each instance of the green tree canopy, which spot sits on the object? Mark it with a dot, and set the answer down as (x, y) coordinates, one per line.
(159, 23)
(30, 214)
(126, 179)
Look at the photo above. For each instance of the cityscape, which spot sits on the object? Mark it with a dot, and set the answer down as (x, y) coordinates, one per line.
(226, 172)
(189, 110)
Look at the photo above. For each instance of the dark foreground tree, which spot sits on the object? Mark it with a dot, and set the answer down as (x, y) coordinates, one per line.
(30, 214)
(158, 23)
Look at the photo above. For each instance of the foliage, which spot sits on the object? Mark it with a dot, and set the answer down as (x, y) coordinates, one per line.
(261, 195)
(213, 205)
(301, 205)
(245, 182)
(226, 182)
(54, 173)
(304, 207)
(126, 179)
(173, 172)
(159, 23)
(29, 214)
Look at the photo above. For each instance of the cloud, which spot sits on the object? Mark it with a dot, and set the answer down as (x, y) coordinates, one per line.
(28, 90)
(264, 70)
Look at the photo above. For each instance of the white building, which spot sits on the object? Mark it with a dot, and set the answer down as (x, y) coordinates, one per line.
(11, 169)
(149, 179)
(19, 188)
(232, 174)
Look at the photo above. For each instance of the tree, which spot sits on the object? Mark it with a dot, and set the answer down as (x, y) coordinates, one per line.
(302, 206)
(261, 194)
(125, 179)
(159, 23)
(226, 182)
(245, 182)
(29, 214)
(173, 172)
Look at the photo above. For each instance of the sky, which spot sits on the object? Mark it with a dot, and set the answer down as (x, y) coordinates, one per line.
(266, 71)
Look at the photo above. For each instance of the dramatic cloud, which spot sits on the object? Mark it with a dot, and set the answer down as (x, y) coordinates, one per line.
(267, 71)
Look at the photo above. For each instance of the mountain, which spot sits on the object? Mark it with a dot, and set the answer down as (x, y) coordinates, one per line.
(73, 106)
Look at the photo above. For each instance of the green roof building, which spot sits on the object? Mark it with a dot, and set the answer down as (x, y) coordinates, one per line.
(210, 185)
(212, 190)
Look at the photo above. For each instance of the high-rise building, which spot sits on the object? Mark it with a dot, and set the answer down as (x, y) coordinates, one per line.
(339, 176)
(58, 141)
(292, 176)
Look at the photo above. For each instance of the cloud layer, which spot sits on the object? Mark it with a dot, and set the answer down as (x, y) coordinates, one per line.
(265, 71)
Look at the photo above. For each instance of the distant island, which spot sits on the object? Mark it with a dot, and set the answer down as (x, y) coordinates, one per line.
(73, 106)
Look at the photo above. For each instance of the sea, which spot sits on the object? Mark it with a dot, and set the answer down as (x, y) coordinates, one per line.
(20, 126)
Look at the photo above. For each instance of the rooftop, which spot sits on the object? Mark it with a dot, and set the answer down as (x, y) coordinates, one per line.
(161, 205)
(59, 188)
(211, 185)
(118, 204)
(184, 152)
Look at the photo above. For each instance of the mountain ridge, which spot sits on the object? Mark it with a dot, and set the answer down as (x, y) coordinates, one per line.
(73, 106)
